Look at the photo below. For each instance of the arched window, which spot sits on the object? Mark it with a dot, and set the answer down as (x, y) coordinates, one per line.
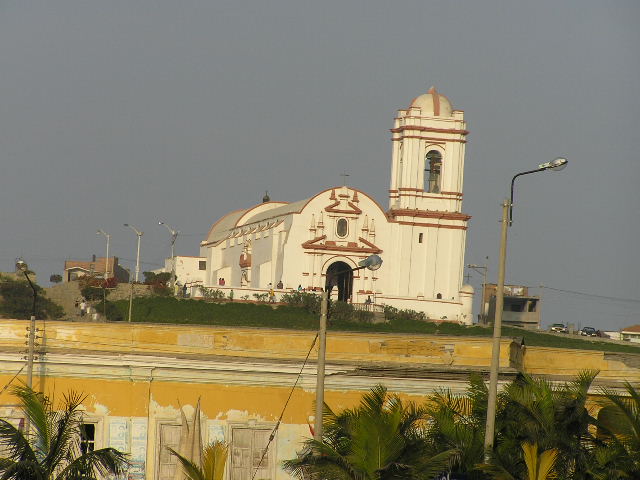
(433, 169)
(342, 228)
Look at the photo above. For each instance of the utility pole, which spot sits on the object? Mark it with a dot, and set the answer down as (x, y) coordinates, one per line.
(22, 267)
(372, 262)
(484, 268)
(322, 348)
(497, 332)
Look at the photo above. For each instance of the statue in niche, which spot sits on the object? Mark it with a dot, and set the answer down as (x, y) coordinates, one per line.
(245, 264)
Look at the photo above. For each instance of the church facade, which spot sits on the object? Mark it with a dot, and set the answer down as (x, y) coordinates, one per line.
(316, 243)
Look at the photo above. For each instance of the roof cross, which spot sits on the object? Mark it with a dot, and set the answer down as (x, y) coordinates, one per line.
(344, 176)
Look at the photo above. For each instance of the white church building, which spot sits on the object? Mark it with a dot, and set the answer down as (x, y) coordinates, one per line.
(317, 242)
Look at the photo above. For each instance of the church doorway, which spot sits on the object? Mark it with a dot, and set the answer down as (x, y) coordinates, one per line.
(340, 276)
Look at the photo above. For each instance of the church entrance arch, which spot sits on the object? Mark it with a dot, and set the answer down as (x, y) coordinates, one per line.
(340, 277)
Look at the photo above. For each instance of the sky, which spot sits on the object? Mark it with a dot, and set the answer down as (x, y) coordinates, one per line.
(134, 112)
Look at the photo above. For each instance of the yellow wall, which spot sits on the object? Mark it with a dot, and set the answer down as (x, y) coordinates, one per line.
(141, 375)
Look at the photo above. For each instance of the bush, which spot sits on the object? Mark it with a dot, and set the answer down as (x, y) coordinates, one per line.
(309, 302)
(151, 278)
(211, 293)
(340, 311)
(110, 311)
(94, 293)
(160, 289)
(261, 297)
(55, 278)
(362, 316)
(392, 314)
(16, 301)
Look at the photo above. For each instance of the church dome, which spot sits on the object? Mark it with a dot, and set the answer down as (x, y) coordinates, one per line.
(433, 104)
(466, 288)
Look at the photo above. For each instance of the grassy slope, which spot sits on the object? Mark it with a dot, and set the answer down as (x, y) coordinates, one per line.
(170, 310)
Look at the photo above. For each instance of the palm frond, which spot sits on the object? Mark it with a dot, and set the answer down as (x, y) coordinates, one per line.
(36, 408)
(15, 442)
(95, 465)
(190, 469)
(214, 458)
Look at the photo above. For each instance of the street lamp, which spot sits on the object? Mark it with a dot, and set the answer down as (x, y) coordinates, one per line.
(21, 266)
(174, 236)
(507, 219)
(372, 262)
(106, 262)
(139, 234)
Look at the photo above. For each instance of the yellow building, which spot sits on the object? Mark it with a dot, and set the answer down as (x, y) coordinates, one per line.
(137, 377)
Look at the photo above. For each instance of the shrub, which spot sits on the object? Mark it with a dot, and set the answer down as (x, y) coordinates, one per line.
(16, 301)
(392, 314)
(340, 311)
(362, 316)
(110, 311)
(152, 278)
(211, 293)
(261, 297)
(160, 289)
(55, 278)
(310, 302)
(94, 293)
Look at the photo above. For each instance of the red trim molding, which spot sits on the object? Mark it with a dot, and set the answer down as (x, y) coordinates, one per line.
(404, 128)
(437, 141)
(315, 244)
(332, 208)
(406, 212)
(434, 225)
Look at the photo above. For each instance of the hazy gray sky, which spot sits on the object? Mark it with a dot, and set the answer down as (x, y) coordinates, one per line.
(119, 111)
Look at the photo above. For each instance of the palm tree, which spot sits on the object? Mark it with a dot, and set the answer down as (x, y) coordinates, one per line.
(52, 450)
(380, 439)
(538, 466)
(456, 424)
(535, 411)
(214, 458)
(619, 427)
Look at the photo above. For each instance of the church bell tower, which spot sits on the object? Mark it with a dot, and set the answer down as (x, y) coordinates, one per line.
(428, 156)
(425, 207)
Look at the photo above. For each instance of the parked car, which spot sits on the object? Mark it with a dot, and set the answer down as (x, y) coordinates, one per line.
(589, 332)
(559, 328)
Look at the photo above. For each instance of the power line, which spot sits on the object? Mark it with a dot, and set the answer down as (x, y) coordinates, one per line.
(604, 297)
(14, 377)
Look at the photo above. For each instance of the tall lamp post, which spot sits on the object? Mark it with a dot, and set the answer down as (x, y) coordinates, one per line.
(372, 262)
(507, 218)
(106, 262)
(139, 235)
(174, 236)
